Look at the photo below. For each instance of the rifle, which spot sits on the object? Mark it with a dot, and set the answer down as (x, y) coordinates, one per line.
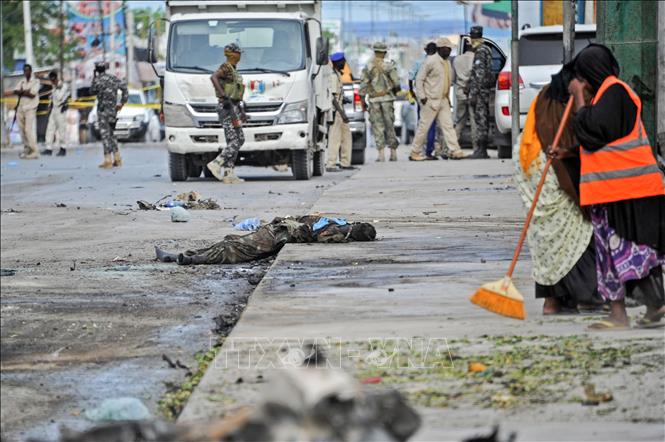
(15, 112)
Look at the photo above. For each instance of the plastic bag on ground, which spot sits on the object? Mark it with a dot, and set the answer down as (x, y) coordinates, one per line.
(119, 409)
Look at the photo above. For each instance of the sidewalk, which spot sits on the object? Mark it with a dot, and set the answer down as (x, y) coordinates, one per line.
(444, 228)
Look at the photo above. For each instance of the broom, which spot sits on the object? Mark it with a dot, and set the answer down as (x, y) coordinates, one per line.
(501, 296)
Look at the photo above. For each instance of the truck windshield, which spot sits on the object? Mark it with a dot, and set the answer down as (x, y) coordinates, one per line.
(198, 45)
(545, 49)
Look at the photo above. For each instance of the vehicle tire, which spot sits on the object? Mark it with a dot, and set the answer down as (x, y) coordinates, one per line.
(358, 157)
(194, 171)
(178, 166)
(319, 163)
(302, 165)
(504, 151)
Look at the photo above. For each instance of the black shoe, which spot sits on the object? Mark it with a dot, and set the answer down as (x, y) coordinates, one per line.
(480, 154)
(347, 167)
(444, 156)
(432, 158)
(48, 152)
(61, 153)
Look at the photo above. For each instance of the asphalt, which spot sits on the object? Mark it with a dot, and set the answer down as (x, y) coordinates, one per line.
(444, 228)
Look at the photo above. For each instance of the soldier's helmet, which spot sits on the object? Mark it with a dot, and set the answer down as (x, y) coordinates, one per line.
(476, 32)
(379, 46)
(233, 47)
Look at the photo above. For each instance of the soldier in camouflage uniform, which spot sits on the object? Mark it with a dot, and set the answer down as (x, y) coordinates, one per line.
(480, 87)
(106, 87)
(229, 89)
(379, 83)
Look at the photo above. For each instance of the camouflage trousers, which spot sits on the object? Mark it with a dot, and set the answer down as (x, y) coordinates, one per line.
(106, 123)
(480, 114)
(382, 118)
(233, 135)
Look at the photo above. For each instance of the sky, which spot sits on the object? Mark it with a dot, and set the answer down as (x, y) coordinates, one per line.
(361, 10)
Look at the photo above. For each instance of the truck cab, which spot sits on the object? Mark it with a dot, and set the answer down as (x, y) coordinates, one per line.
(285, 69)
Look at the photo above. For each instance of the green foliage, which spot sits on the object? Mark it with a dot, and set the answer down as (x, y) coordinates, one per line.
(45, 32)
(142, 19)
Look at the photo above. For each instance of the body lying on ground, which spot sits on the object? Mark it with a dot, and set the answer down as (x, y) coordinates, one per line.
(269, 239)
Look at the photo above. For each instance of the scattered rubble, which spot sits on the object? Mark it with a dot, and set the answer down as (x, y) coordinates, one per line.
(189, 200)
(179, 215)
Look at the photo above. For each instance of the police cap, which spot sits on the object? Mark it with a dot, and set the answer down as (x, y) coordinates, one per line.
(337, 56)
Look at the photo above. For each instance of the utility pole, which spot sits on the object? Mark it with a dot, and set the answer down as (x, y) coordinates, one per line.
(27, 33)
(100, 11)
(130, 46)
(61, 55)
(112, 35)
(514, 72)
(568, 30)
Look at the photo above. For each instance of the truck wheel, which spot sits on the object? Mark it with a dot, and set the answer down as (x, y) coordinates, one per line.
(178, 166)
(358, 156)
(301, 164)
(193, 170)
(504, 151)
(319, 162)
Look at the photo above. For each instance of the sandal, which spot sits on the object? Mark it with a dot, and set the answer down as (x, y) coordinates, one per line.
(606, 326)
(649, 323)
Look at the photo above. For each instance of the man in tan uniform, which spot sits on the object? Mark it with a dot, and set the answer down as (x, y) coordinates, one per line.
(339, 143)
(26, 113)
(432, 86)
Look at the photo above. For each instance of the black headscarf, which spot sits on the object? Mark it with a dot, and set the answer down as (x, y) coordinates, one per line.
(558, 89)
(595, 63)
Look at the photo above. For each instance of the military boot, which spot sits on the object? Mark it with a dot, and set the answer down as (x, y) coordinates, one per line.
(117, 159)
(230, 177)
(107, 163)
(61, 153)
(380, 155)
(215, 168)
(480, 152)
(164, 256)
(393, 154)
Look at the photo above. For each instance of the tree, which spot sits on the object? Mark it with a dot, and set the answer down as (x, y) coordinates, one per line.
(142, 19)
(45, 32)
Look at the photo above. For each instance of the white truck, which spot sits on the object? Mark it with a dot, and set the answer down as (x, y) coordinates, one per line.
(286, 73)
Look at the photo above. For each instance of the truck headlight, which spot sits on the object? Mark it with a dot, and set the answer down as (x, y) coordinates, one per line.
(177, 115)
(293, 113)
(138, 118)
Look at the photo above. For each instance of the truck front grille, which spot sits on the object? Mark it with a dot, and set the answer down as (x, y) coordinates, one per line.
(209, 108)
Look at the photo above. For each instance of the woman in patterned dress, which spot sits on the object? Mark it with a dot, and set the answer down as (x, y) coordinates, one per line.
(630, 232)
(560, 238)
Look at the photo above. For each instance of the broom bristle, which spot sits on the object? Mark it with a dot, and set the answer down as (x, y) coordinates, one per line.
(499, 304)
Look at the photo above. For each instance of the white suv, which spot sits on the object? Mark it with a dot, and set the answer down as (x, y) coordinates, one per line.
(541, 56)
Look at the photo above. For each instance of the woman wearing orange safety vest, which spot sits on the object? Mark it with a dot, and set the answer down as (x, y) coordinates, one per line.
(622, 185)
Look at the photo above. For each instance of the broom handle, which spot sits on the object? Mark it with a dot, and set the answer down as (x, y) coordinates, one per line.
(557, 138)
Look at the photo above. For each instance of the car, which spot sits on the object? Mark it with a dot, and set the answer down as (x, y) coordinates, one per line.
(406, 120)
(135, 121)
(498, 63)
(540, 56)
(356, 114)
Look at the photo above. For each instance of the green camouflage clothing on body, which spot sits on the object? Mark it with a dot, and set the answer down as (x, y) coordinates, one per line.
(105, 86)
(269, 239)
(379, 82)
(480, 88)
(230, 114)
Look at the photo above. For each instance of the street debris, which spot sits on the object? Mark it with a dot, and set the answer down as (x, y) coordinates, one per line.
(269, 239)
(119, 409)
(477, 367)
(308, 401)
(248, 225)
(179, 215)
(7, 272)
(60, 205)
(11, 210)
(492, 437)
(189, 200)
(595, 398)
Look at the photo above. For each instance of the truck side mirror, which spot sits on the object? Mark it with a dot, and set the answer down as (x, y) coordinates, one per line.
(322, 51)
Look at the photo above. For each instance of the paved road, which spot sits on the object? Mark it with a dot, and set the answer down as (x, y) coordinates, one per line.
(398, 308)
(89, 314)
